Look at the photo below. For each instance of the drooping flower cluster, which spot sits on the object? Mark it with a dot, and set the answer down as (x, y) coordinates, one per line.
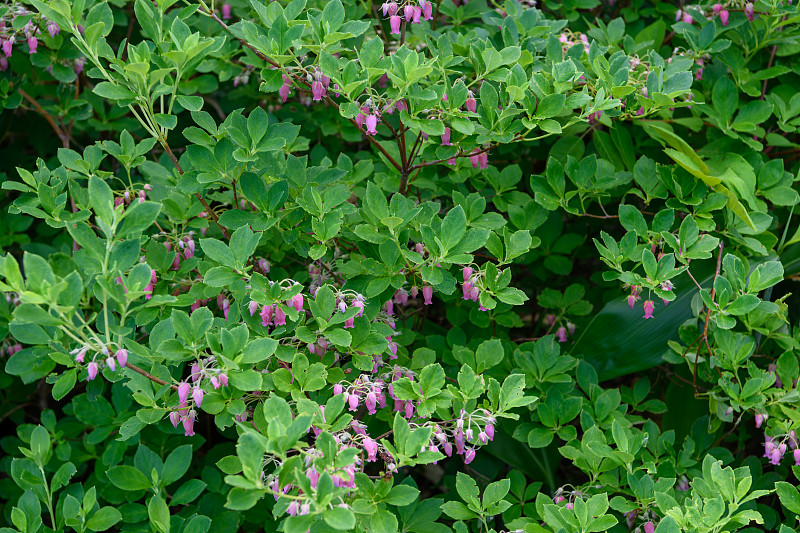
(776, 447)
(100, 358)
(569, 39)
(366, 389)
(409, 12)
(464, 435)
(345, 299)
(202, 369)
(648, 516)
(470, 287)
(30, 34)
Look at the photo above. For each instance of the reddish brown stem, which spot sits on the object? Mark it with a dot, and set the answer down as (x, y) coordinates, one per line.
(302, 81)
(207, 207)
(149, 376)
(48, 117)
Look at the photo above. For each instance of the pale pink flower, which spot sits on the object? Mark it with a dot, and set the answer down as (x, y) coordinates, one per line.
(197, 395)
(372, 123)
(427, 294)
(183, 392)
(648, 308)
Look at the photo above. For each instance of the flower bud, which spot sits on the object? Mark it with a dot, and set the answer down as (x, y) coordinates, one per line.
(93, 369)
(122, 357)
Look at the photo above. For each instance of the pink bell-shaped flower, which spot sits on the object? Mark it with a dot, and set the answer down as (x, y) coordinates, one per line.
(372, 123)
(648, 308)
(183, 392)
(427, 294)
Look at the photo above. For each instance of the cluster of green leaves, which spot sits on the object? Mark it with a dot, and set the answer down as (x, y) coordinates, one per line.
(670, 145)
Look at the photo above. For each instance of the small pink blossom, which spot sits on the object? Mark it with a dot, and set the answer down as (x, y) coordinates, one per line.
(183, 392)
(648, 308)
(283, 92)
(122, 357)
(446, 138)
(318, 91)
(93, 369)
(352, 402)
(371, 447)
(188, 425)
(197, 395)
(427, 294)
(372, 123)
(472, 104)
(280, 316)
(389, 9)
(53, 28)
(226, 11)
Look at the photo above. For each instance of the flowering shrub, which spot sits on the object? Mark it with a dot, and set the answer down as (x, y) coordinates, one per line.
(419, 266)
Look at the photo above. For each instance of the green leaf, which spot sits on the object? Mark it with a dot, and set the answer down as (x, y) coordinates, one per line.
(340, 518)
(128, 478)
(101, 199)
(383, 522)
(551, 105)
(789, 496)
(454, 226)
(743, 304)
(40, 443)
(217, 251)
(177, 464)
(458, 511)
(402, 495)
(495, 492)
(112, 91)
(158, 512)
(167, 122)
(64, 384)
(489, 354)
(138, 217)
(632, 220)
(103, 519)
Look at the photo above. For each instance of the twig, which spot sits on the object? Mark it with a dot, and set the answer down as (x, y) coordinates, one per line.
(302, 81)
(704, 336)
(207, 207)
(47, 116)
(149, 376)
